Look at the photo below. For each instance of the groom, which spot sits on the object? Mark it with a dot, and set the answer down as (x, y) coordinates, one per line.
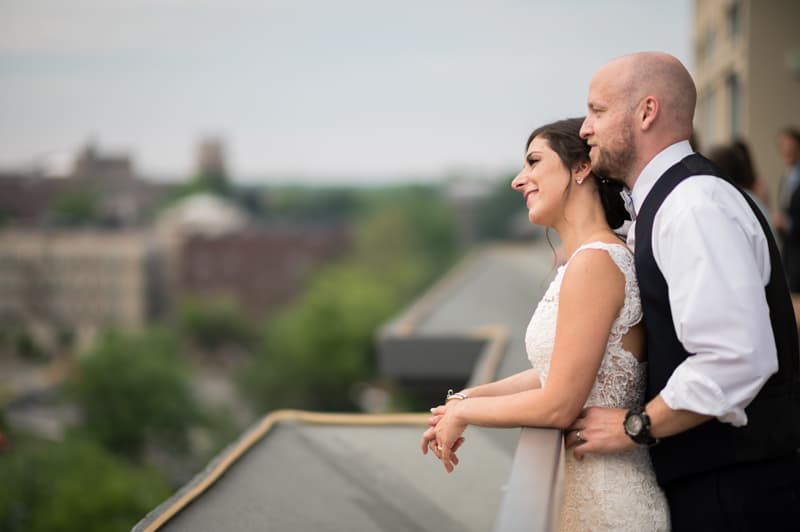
(722, 417)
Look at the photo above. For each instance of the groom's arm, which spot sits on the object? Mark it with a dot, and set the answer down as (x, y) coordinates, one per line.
(714, 257)
(602, 428)
(716, 263)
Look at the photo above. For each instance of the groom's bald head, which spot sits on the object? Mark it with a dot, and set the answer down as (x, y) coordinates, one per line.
(659, 75)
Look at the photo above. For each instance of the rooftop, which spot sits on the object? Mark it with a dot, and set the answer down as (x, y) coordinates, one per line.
(311, 471)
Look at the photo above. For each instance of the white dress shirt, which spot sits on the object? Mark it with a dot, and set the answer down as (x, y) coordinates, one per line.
(714, 256)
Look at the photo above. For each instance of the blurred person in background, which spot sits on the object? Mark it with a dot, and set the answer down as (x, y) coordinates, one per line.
(758, 187)
(787, 217)
(734, 162)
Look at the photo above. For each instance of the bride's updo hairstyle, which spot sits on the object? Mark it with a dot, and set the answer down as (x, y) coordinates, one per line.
(563, 137)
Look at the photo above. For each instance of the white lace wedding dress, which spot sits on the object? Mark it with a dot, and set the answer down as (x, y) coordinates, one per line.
(614, 491)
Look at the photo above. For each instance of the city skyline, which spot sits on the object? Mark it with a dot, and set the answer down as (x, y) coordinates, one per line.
(358, 92)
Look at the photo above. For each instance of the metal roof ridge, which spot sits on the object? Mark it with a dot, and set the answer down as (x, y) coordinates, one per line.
(421, 307)
(229, 456)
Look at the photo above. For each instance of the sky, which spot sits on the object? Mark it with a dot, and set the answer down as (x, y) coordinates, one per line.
(309, 91)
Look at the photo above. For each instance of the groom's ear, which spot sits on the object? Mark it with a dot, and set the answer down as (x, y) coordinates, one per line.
(647, 112)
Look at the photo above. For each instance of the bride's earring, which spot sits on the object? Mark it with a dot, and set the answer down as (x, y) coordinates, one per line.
(579, 180)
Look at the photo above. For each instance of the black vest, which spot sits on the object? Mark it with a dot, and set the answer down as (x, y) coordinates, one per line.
(773, 427)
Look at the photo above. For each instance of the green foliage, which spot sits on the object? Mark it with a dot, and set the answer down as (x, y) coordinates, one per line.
(318, 205)
(76, 208)
(133, 388)
(316, 351)
(212, 182)
(73, 485)
(212, 323)
(497, 212)
(409, 234)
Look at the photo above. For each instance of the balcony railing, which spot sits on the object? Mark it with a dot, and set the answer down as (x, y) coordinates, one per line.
(532, 498)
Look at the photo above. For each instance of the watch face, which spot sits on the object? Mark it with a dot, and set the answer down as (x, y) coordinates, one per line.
(634, 425)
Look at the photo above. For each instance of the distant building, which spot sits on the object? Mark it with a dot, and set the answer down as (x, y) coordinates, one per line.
(78, 281)
(202, 213)
(124, 198)
(211, 156)
(261, 267)
(26, 198)
(213, 248)
(120, 198)
(91, 166)
(747, 70)
(83, 280)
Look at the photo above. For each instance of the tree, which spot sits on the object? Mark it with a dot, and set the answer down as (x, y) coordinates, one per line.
(213, 323)
(329, 205)
(76, 208)
(74, 485)
(317, 351)
(213, 181)
(133, 388)
(409, 234)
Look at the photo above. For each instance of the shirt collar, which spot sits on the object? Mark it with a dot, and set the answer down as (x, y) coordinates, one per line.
(659, 164)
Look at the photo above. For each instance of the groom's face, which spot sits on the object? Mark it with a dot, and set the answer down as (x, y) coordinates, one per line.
(608, 127)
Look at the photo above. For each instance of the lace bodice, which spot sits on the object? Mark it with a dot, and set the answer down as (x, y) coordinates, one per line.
(610, 491)
(621, 378)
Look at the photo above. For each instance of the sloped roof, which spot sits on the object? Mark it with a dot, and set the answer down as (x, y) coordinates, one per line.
(310, 471)
(202, 213)
(492, 292)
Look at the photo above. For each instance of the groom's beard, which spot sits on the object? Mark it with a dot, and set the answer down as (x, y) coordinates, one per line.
(616, 162)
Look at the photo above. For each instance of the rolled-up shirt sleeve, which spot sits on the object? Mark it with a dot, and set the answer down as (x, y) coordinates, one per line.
(714, 257)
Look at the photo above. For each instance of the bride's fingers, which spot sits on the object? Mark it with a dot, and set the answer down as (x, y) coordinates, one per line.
(436, 450)
(439, 410)
(427, 437)
(459, 442)
(433, 420)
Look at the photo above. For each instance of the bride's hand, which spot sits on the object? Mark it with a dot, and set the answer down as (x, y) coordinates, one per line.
(429, 443)
(438, 413)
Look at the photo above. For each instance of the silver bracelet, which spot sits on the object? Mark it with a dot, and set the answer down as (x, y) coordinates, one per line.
(456, 395)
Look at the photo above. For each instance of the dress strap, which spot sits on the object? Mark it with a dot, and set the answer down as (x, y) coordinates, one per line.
(619, 253)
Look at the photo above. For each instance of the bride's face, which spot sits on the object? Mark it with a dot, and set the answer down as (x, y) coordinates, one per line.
(542, 182)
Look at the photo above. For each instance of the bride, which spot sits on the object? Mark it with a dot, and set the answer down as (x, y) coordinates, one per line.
(585, 342)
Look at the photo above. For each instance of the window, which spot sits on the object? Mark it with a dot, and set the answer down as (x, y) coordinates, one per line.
(708, 118)
(734, 16)
(734, 105)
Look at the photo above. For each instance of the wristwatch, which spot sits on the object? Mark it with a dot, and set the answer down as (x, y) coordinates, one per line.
(637, 427)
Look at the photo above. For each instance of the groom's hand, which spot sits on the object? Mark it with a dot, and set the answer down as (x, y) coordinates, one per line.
(599, 430)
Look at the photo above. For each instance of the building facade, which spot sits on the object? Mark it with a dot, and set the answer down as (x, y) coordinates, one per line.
(262, 268)
(78, 282)
(747, 71)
